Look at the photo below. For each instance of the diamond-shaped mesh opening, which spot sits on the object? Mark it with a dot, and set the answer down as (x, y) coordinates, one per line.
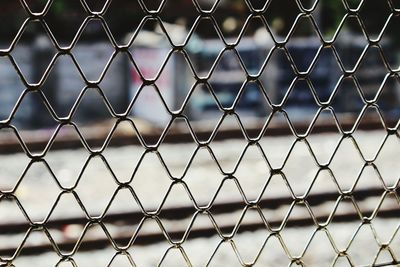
(199, 133)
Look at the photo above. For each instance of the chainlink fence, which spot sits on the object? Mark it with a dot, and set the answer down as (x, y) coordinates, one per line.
(281, 173)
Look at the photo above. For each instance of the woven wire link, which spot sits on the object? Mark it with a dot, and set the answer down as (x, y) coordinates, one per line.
(204, 80)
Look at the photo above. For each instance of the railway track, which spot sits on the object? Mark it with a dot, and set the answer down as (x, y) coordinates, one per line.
(177, 213)
(9, 144)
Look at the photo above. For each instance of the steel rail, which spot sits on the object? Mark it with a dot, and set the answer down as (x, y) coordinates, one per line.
(10, 145)
(187, 211)
(152, 238)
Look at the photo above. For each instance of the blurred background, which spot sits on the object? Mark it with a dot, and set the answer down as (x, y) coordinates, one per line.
(120, 80)
(65, 155)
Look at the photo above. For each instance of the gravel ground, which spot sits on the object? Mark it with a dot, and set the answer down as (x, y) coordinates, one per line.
(38, 191)
(362, 251)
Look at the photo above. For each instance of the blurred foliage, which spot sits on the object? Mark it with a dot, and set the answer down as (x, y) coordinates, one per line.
(124, 16)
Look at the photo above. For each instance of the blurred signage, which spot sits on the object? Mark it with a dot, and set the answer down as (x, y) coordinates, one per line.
(148, 105)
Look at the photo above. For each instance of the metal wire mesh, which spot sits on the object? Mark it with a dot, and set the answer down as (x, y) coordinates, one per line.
(153, 11)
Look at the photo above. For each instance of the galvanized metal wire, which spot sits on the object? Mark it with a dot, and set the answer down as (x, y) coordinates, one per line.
(305, 11)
